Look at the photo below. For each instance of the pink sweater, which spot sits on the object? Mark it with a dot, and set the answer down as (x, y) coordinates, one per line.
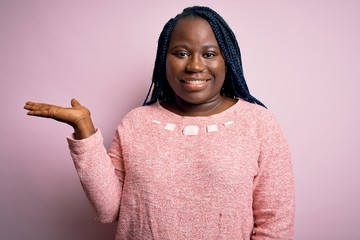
(226, 176)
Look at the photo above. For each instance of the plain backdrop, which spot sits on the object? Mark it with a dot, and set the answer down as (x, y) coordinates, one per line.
(301, 58)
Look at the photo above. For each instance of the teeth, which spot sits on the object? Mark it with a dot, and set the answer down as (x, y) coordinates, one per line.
(196, 82)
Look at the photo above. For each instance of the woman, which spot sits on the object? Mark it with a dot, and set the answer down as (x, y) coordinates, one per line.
(202, 159)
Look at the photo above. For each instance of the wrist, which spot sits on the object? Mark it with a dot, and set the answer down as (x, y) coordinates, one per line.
(84, 128)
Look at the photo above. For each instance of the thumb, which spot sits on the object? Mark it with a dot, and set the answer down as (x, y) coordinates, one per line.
(75, 103)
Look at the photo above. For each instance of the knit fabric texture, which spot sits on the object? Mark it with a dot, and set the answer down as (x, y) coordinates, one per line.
(225, 176)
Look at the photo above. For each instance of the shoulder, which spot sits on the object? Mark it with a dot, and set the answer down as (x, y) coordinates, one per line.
(140, 115)
(259, 119)
(254, 112)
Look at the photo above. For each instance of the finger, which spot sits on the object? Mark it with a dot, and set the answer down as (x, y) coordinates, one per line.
(42, 110)
(35, 106)
(37, 109)
(29, 105)
(75, 103)
(39, 113)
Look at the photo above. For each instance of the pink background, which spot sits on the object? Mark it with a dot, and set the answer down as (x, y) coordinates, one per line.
(301, 58)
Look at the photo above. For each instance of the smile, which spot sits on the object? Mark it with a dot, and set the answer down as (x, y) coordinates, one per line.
(194, 85)
(194, 82)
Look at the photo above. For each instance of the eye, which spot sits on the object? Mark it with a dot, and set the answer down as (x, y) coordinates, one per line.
(209, 55)
(181, 54)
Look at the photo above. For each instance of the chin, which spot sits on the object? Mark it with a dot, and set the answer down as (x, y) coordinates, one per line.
(197, 100)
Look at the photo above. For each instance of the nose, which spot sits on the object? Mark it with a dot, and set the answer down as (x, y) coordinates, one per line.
(195, 64)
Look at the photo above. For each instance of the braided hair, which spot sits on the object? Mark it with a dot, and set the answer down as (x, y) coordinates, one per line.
(234, 85)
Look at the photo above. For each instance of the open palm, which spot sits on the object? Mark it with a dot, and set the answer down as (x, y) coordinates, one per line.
(76, 116)
(70, 115)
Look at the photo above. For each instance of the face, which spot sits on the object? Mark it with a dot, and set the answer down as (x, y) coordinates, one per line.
(195, 68)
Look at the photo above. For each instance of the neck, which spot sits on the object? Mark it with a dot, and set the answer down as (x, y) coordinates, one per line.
(184, 108)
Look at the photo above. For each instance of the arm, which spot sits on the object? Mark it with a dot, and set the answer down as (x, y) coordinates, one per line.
(274, 195)
(102, 182)
(101, 175)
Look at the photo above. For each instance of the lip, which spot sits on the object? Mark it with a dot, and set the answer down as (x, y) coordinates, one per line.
(194, 84)
(194, 79)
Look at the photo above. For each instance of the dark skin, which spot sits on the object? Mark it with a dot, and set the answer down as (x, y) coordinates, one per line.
(195, 70)
(76, 116)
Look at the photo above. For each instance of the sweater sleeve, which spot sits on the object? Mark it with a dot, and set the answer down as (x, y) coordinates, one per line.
(274, 194)
(101, 174)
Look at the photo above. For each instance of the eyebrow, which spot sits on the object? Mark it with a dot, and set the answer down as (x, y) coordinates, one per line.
(186, 46)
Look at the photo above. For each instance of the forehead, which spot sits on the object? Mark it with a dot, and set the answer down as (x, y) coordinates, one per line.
(193, 29)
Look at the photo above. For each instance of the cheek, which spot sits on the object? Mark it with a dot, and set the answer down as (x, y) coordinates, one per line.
(170, 68)
(174, 68)
(219, 70)
(171, 73)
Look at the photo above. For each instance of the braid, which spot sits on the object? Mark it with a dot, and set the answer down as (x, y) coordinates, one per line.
(234, 85)
(159, 81)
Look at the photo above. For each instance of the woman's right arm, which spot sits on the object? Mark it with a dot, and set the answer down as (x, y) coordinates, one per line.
(101, 175)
